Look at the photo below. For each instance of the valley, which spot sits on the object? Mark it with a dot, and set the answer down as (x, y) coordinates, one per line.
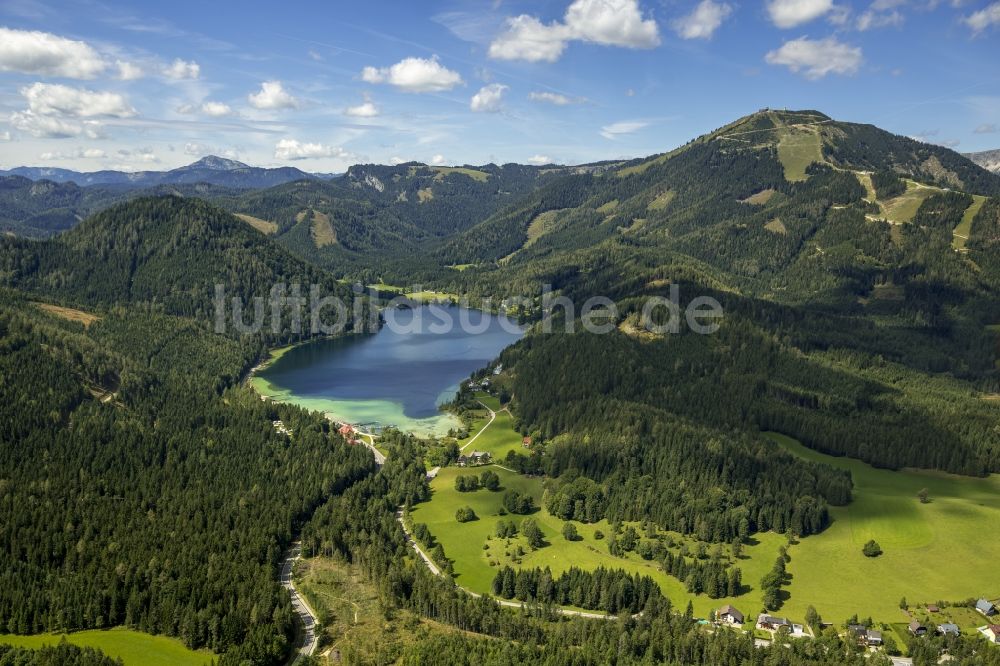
(148, 487)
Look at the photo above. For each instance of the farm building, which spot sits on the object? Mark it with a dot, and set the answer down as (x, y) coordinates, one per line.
(992, 632)
(917, 629)
(729, 615)
(986, 608)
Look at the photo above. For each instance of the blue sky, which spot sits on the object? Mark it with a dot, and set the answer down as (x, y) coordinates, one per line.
(322, 85)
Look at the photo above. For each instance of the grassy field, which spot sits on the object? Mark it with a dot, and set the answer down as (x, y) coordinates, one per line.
(936, 551)
(961, 232)
(499, 437)
(797, 149)
(132, 647)
(662, 201)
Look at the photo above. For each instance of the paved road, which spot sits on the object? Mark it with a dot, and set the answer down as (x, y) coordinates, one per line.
(369, 441)
(299, 603)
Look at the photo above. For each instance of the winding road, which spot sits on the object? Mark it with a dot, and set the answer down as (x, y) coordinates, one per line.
(301, 606)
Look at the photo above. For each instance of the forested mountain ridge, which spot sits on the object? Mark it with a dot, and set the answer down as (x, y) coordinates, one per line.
(168, 251)
(856, 302)
(211, 170)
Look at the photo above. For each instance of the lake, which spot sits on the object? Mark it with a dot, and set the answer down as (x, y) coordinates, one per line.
(399, 376)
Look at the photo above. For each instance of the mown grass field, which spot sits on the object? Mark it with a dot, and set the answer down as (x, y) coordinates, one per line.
(132, 647)
(943, 550)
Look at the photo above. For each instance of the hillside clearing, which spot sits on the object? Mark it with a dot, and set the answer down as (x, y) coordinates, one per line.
(759, 198)
(662, 201)
(797, 149)
(69, 314)
(323, 233)
(904, 207)
(474, 174)
(263, 226)
(964, 228)
(776, 226)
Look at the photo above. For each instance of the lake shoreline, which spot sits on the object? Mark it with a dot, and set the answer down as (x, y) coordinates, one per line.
(405, 361)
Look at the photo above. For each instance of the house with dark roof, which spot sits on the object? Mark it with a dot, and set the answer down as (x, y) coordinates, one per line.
(873, 638)
(729, 615)
(992, 632)
(931, 608)
(767, 622)
(986, 608)
(917, 628)
(949, 629)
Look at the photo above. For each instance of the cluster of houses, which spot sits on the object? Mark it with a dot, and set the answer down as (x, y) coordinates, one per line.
(863, 635)
(474, 458)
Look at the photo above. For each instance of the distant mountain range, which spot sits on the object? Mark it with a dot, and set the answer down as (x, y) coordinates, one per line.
(211, 169)
(988, 159)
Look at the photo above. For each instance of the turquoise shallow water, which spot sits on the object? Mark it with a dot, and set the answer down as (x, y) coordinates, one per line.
(398, 376)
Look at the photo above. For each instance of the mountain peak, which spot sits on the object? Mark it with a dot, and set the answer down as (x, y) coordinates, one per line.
(216, 163)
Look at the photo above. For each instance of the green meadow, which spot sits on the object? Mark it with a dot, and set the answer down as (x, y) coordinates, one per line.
(464, 542)
(938, 551)
(132, 647)
(944, 550)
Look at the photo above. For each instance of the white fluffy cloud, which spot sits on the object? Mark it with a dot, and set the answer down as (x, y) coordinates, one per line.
(36, 52)
(606, 22)
(539, 159)
(554, 98)
(272, 95)
(128, 71)
(615, 130)
(292, 149)
(53, 99)
(415, 75)
(527, 38)
(216, 109)
(488, 99)
(816, 58)
(182, 69)
(987, 17)
(790, 13)
(986, 128)
(703, 21)
(58, 111)
(50, 127)
(366, 109)
(79, 153)
(438, 160)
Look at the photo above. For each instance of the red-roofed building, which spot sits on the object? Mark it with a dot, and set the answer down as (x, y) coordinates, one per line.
(993, 633)
(526, 442)
(346, 430)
